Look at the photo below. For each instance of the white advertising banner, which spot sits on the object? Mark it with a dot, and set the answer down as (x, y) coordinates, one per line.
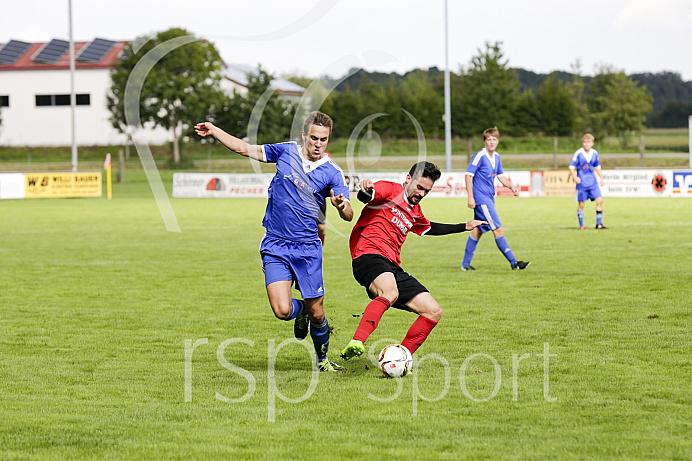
(618, 183)
(220, 185)
(454, 184)
(12, 185)
(647, 183)
(224, 185)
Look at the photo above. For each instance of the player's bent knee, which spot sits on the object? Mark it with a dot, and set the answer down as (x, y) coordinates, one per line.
(391, 295)
(435, 314)
(282, 313)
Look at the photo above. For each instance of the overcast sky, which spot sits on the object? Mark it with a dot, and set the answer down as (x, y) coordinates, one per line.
(327, 37)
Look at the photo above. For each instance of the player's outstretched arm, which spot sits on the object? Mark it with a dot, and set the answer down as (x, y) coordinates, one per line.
(235, 144)
(437, 228)
(474, 223)
(343, 205)
(508, 184)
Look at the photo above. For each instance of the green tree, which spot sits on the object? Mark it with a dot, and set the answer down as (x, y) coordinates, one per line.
(274, 112)
(557, 110)
(526, 118)
(486, 94)
(182, 88)
(577, 87)
(675, 114)
(299, 80)
(419, 96)
(617, 105)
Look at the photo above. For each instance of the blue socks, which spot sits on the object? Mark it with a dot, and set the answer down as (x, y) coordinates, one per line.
(297, 308)
(320, 338)
(580, 215)
(471, 245)
(506, 250)
(501, 243)
(599, 217)
(318, 331)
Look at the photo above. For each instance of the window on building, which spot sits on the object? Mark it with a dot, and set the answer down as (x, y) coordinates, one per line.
(83, 100)
(62, 100)
(4, 101)
(43, 100)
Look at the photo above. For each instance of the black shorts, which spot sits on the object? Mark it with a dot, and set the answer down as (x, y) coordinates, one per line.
(367, 268)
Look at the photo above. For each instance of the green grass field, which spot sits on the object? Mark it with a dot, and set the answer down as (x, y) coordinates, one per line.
(98, 302)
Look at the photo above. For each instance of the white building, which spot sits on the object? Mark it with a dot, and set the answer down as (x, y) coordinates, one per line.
(237, 78)
(35, 89)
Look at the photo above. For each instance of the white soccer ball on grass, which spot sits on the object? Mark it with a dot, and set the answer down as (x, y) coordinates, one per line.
(395, 361)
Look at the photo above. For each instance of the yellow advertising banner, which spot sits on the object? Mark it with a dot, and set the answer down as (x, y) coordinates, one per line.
(55, 185)
(558, 184)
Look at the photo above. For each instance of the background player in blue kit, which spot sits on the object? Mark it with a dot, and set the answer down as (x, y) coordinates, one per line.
(582, 168)
(484, 167)
(291, 250)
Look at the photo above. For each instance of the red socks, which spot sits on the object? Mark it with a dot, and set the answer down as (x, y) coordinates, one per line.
(418, 333)
(371, 318)
(415, 336)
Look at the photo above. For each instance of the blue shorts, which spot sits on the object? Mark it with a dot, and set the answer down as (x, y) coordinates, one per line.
(300, 262)
(487, 212)
(592, 193)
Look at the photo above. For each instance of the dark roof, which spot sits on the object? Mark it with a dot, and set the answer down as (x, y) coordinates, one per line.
(99, 53)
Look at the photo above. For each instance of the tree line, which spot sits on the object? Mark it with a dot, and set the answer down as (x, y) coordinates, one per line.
(489, 93)
(185, 87)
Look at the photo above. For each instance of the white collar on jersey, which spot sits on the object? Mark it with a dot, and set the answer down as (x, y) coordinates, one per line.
(588, 156)
(309, 166)
(491, 158)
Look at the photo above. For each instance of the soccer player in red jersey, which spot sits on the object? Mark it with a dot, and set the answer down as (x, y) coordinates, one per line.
(392, 211)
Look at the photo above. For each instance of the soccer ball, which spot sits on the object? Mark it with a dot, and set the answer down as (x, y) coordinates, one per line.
(395, 361)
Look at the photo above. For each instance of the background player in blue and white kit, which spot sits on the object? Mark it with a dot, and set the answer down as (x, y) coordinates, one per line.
(584, 167)
(483, 168)
(291, 250)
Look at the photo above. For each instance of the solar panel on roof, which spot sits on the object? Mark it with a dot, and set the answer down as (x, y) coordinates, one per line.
(96, 50)
(13, 51)
(53, 51)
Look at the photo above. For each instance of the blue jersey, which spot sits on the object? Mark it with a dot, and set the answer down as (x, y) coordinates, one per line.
(297, 190)
(585, 166)
(484, 169)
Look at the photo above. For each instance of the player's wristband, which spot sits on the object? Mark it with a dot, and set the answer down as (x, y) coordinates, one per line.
(364, 196)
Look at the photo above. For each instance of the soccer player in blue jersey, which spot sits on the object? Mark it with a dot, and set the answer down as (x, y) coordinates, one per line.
(584, 168)
(291, 250)
(484, 167)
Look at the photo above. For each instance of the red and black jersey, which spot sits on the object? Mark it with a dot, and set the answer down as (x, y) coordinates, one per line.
(385, 221)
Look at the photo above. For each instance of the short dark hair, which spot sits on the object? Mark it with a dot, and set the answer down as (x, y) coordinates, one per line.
(425, 170)
(317, 118)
